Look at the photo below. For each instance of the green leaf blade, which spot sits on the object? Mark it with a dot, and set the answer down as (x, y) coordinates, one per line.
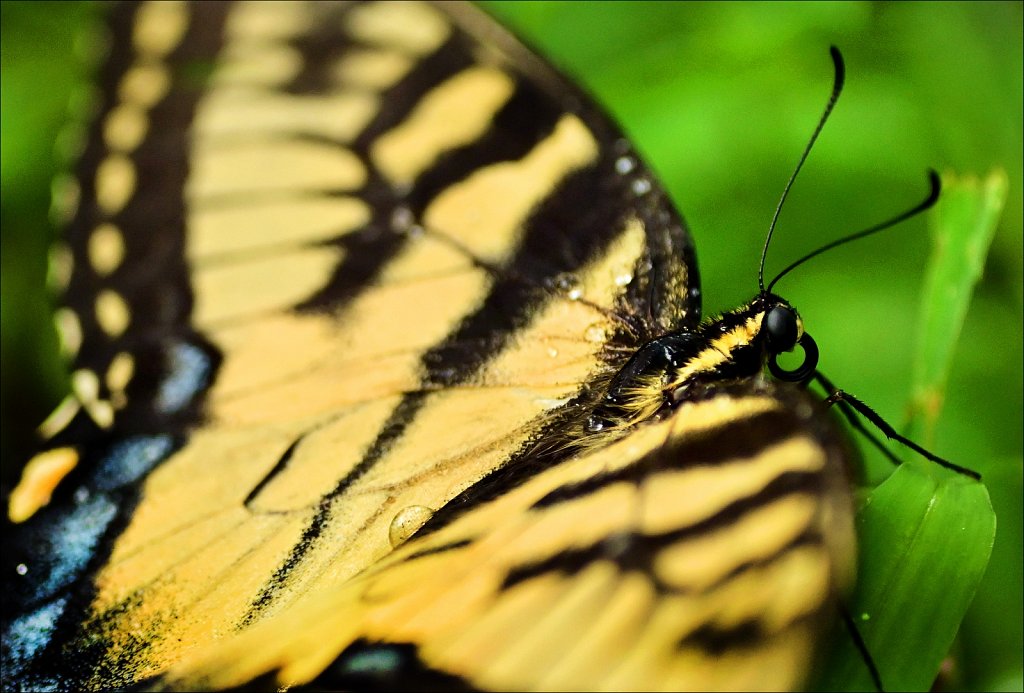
(926, 537)
(963, 226)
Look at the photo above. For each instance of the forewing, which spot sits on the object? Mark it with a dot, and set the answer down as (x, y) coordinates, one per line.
(324, 262)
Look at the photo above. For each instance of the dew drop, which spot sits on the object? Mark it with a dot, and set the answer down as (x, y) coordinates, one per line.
(21, 569)
(407, 522)
(641, 186)
(567, 282)
(624, 165)
(594, 333)
(552, 352)
(563, 281)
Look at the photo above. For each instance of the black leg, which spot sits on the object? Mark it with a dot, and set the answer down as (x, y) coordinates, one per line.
(851, 418)
(840, 397)
(862, 647)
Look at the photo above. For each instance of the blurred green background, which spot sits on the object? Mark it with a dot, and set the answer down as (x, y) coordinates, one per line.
(720, 98)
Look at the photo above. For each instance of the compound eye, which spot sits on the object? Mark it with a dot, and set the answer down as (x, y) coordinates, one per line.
(781, 328)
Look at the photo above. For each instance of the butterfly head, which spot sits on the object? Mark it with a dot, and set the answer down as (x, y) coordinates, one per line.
(780, 330)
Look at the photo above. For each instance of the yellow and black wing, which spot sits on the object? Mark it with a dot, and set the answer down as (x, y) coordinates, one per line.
(342, 284)
(697, 554)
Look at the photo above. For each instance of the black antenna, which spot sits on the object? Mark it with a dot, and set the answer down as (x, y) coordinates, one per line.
(837, 88)
(933, 196)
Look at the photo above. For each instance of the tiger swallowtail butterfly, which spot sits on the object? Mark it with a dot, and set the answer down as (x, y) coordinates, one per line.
(360, 301)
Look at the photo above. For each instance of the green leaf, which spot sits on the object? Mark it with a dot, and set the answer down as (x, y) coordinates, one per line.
(963, 226)
(926, 535)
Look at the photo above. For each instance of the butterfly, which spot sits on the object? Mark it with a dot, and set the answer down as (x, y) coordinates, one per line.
(432, 271)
